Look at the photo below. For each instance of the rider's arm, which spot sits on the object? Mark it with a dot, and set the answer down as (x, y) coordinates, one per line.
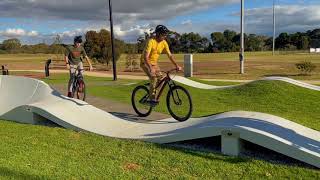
(66, 59)
(147, 59)
(170, 56)
(172, 60)
(84, 54)
(89, 61)
(66, 54)
(147, 54)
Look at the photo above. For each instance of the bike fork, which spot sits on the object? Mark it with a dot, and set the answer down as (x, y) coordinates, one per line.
(175, 94)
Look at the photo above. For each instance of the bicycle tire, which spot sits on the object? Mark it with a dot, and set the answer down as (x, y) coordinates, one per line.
(81, 91)
(145, 94)
(171, 93)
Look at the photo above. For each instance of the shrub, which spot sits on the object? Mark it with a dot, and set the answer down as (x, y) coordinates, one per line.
(306, 67)
(131, 62)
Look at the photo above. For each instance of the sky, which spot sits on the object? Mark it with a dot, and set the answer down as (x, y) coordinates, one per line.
(37, 21)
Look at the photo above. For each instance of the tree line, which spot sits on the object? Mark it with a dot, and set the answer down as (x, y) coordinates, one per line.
(98, 44)
(229, 41)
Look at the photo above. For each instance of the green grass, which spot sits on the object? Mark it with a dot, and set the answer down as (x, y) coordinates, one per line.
(215, 83)
(38, 152)
(273, 97)
(278, 98)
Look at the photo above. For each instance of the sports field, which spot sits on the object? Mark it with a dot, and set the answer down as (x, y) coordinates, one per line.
(216, 66)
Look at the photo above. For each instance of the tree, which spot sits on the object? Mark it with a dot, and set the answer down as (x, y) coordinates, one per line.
(98, 46)
(218, 41)
(229, 35)
(193, 43)
(11, 45)
(173, 40)
(131, 62)
(282, 41)
(304, 43)
(142, 40)
(255, 43)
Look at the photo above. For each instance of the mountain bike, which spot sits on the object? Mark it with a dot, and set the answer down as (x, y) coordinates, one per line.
(178, 99)
(79, 86)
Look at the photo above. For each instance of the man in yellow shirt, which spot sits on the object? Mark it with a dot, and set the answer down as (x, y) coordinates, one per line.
(149, 59)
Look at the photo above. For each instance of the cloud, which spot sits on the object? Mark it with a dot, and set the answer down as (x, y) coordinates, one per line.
(289, 18)
(133, 17)
(130, 16)
(11, 33)
(186, 22)
(125, 10)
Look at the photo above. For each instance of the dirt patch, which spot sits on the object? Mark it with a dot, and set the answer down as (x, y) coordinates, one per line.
(35, 76)
(131, 166)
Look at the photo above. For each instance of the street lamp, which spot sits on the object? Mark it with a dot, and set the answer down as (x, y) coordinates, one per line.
(241, 54)
(112, 43)
(274, 28)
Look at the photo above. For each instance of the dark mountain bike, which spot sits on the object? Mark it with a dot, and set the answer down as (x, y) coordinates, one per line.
(178, 99)
(79, 86)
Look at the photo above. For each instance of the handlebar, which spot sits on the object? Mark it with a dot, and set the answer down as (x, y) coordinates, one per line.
(171, 70)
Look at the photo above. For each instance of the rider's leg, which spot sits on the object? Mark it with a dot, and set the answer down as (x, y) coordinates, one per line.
(159, 76)
(152, 79)
(80, 68)
(72, 72)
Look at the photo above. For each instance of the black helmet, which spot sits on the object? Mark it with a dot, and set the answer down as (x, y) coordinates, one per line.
(161, 29)
(78, 39)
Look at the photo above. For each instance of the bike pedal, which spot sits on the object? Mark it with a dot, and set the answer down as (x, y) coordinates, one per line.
(153, 103)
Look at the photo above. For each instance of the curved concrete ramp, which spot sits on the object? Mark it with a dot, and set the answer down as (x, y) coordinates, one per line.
(32, 101)
(195, 84)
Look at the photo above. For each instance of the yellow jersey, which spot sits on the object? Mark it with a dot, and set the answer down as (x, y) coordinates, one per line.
(155, 48)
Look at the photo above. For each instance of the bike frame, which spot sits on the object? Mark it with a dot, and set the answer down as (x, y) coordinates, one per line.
(78, 76)
(163, 82)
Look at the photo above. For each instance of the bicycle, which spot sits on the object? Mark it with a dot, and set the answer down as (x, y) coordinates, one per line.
(79, 86)
(178, 99)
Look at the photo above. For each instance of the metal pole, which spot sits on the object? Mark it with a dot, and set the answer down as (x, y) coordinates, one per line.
(274, 28)
(112, 43)
(241, 55)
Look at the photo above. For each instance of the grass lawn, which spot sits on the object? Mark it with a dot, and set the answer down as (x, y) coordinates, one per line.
(273, 97)
(38, 152)
(215, 83)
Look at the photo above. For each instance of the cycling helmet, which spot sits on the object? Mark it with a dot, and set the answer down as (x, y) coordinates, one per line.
(161, 29)
(78, 39)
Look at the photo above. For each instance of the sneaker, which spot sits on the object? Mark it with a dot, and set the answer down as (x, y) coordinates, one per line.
(70, 94)
(153, 102)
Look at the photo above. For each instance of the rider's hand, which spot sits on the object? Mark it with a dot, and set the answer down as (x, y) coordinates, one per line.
(152, 70)
(179, 68)
(90, 68)
(68, 66)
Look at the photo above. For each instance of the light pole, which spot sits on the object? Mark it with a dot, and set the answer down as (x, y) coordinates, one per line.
(112, 43)
(241, 54)
(274, 28)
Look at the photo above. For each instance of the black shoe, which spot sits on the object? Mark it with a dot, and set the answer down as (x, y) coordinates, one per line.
(153, 103)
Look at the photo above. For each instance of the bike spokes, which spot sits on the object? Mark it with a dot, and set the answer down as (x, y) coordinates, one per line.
(139, 101)
(179, 103)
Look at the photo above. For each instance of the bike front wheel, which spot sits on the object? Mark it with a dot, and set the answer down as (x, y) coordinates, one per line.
(80, 90)
(139, 100)
(179, 103)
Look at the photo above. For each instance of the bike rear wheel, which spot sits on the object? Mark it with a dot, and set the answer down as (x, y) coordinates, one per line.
(139, 100)
(80, 90)
(179, 103)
